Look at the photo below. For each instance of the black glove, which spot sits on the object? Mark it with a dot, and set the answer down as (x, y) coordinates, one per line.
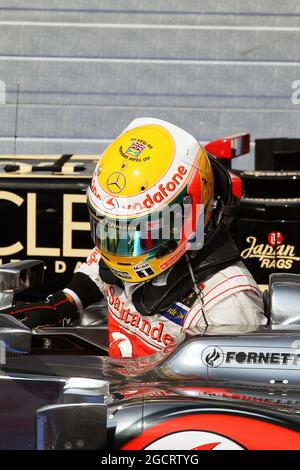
(51, 311)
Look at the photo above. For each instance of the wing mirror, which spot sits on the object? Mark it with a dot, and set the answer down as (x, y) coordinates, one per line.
(17, 276)
(225, 150)
(284, 298)
(20, 275)
(229, 147)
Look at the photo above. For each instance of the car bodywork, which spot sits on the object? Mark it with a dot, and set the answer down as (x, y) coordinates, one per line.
(230, 388)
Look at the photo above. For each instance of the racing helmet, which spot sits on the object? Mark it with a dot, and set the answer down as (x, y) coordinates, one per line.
(150, 198)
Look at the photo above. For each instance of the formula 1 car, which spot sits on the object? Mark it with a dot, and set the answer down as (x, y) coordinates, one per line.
(231, 388)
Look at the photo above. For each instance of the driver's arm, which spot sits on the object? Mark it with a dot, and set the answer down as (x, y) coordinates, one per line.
(83, 290)
(51, 311)
(79, 294)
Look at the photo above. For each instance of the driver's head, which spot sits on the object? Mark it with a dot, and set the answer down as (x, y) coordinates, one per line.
(150, 198)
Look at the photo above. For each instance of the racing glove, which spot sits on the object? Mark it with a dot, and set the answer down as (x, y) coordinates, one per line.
(52, 311)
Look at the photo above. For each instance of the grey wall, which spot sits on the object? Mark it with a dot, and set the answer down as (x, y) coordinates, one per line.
(87, 68)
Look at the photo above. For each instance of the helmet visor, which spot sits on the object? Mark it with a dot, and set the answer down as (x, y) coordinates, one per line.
(128, 238)
(145, 234)
(140, 235)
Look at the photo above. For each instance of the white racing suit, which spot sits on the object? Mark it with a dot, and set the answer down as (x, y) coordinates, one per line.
(229, 297)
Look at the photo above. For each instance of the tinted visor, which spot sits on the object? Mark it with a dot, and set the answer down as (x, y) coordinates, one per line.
(138, 236)
(147, 234)
(127, 238)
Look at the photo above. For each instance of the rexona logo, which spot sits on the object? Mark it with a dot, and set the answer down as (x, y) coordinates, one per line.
(271, 255)
(214, 356)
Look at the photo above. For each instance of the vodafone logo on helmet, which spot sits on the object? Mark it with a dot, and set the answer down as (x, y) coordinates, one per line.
(110, 202)
(165, 190)
(194, 440)
(139, 203)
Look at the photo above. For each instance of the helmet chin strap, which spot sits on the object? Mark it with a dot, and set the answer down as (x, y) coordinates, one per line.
(198, 291)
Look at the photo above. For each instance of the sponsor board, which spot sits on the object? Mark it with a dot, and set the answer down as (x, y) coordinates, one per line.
(273, 255)
(266, 246)
(45, 224)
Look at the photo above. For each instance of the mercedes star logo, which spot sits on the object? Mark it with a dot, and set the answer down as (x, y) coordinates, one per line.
(116, 182)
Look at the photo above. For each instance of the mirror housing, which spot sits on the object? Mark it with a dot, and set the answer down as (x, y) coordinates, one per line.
(229, 147)
(284, 298)
(20, 275)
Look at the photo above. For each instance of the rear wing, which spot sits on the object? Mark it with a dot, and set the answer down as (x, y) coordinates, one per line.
(225, 150)
(229, 147)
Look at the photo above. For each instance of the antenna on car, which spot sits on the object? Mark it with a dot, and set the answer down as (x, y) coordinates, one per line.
(16, 119)
(12, 168)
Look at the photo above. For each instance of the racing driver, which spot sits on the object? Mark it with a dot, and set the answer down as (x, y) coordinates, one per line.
(160, 208)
